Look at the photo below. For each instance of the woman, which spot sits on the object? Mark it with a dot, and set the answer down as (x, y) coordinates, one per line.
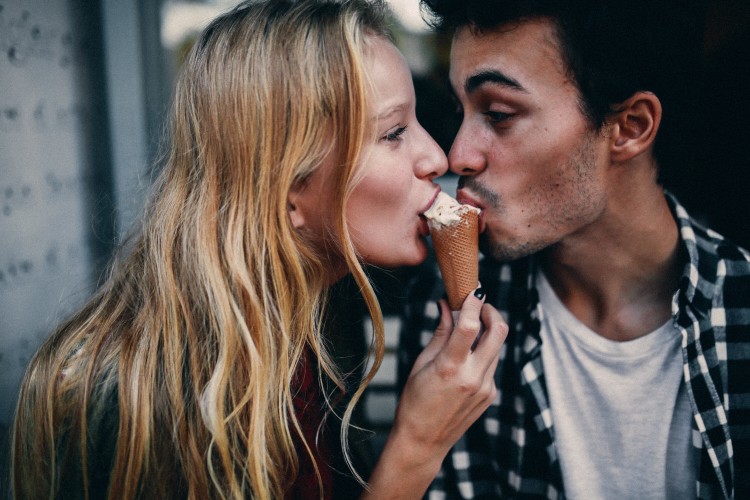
(195, 371)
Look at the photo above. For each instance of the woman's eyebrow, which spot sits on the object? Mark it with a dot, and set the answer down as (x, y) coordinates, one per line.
(390, 110)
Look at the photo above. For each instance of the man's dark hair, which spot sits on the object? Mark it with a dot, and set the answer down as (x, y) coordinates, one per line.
(612, 49)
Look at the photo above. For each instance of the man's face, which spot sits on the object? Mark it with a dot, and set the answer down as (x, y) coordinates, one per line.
(530, 159)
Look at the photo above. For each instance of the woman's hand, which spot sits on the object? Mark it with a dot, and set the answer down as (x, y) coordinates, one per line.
(449, 387)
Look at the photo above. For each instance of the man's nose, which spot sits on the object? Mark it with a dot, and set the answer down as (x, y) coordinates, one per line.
(465, 156)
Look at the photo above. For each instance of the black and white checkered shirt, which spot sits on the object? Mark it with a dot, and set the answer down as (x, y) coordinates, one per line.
(510, 451)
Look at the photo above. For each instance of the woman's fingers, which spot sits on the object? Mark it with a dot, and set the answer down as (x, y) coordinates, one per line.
(469, 357)
(479, 331)
(445, 327)
(452, 381)
(466, 328)
(493, 335)
(439, 338)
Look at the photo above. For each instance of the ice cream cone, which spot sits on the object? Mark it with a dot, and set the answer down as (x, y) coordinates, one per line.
(456, 247)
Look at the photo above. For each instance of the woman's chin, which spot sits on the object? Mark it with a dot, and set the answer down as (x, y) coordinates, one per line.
(417, 256)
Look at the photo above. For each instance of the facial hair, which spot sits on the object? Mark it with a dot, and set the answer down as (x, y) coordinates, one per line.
(581, 166)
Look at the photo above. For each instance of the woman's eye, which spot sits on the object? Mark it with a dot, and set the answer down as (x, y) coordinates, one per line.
(394, 135)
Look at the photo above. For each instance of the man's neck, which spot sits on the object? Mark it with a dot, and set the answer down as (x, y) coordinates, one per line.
(618, 275)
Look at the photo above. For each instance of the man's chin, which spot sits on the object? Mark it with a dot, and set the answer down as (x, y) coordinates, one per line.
(504, 251)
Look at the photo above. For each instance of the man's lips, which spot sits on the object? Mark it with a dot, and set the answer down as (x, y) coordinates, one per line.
(465, 198)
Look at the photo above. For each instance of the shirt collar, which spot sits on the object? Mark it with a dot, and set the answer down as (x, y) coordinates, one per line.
(698, 248)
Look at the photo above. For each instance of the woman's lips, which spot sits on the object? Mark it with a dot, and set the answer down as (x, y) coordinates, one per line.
(424, 229)
(432, 200)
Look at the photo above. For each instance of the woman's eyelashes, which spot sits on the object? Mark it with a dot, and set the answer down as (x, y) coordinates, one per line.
(394, 134)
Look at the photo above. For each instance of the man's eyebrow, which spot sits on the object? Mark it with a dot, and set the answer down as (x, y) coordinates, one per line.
(491, 76)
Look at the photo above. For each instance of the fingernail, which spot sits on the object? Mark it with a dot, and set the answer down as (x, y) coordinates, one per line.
(479, 293)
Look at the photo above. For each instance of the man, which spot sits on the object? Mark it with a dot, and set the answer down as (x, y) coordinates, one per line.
(626, 373)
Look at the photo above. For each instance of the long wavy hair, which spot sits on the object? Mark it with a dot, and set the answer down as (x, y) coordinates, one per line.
(195, 337)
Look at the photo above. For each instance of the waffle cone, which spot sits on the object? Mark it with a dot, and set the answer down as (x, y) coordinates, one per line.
(457, 251)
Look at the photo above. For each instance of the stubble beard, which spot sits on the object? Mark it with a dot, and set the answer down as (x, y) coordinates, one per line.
(582, 163)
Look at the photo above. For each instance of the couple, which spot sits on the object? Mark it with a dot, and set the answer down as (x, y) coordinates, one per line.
(200, 369)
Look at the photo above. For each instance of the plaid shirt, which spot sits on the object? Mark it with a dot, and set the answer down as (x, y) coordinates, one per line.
(510, 451)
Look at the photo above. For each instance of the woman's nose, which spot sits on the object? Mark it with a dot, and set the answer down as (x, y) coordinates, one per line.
(433, 162)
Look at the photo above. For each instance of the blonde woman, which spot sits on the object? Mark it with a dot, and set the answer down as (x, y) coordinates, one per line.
(196, 370)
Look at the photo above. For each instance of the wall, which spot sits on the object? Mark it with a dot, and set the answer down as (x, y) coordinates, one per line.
(55, 188)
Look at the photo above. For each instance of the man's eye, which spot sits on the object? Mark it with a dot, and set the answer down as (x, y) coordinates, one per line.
(497, 116)
(394, 135)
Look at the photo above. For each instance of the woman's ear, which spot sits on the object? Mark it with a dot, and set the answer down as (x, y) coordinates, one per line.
(634, 125)
(293, 207)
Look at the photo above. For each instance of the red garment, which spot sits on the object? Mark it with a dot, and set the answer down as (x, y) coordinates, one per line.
(309, 408)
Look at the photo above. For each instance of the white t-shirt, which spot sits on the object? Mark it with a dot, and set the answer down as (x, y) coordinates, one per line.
(620, 411)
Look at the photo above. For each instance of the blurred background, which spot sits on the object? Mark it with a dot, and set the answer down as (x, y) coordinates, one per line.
(84, 85)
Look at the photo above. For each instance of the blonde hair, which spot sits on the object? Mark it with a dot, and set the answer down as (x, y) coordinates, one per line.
(197, 334)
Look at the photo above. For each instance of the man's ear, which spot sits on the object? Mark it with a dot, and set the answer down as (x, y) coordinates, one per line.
(634, 126)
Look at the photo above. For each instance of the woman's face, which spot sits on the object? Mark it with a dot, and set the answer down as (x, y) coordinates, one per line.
(397, 170)
(395, 176)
